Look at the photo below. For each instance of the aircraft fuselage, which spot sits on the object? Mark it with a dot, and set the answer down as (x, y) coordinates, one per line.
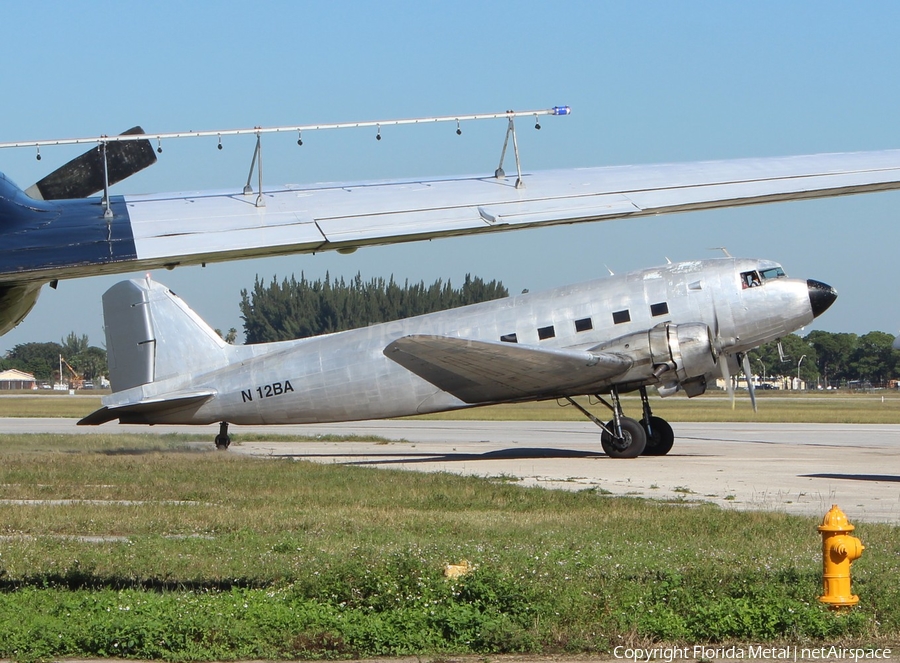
(728, 305)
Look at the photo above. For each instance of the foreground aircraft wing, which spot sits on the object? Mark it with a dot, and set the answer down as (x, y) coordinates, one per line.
(166, 230)
(46, 240)
(49, 240)
(488, 371)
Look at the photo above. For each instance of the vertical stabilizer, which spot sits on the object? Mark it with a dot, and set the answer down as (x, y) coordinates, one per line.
(152, 335)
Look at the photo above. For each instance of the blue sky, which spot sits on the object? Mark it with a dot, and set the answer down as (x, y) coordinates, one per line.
(647, 82)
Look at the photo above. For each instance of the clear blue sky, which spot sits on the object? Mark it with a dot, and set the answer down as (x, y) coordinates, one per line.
(647, 81)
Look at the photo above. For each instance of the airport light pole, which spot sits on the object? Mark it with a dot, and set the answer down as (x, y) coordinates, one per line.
(798, 370)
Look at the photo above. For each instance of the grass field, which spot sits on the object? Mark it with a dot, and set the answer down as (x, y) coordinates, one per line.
(150, 546)
(877, 407)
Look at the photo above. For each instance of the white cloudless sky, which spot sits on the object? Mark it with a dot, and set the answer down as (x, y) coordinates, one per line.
(647, 82)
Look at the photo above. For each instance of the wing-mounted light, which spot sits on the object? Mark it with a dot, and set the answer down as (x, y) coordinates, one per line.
(93, 171)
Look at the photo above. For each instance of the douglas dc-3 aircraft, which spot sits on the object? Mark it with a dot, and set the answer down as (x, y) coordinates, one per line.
(53, 231)
(673, 327)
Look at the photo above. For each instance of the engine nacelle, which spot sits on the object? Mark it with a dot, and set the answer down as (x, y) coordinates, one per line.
(666, 353)
(690, 349)
(16, 300)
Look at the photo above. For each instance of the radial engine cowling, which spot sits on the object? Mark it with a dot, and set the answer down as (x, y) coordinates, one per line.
(667, 352)
(688, 349)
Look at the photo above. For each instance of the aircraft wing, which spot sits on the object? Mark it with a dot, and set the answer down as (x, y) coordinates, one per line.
(188, 229)
(71, 238)
(47, 240)
(488, 371)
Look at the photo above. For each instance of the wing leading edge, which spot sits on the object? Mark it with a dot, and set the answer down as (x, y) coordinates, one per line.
(181, 229)
(166, 230)
(488, 371)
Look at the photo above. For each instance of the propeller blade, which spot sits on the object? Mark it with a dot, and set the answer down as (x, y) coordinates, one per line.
(745, 364)
(722, 356)
(726, 375)
(83, 175)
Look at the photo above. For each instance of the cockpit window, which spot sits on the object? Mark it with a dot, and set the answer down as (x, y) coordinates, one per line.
(773, 273)
(755, 278)
(750, 279)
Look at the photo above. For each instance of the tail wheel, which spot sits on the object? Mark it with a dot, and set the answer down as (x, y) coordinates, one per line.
(660, 436)
(630, 445)
(223, 439)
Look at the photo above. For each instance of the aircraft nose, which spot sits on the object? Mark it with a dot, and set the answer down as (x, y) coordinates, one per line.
(821, 296)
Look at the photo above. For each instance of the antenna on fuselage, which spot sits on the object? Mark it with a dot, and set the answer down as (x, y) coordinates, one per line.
(722, 249)
(611, 272)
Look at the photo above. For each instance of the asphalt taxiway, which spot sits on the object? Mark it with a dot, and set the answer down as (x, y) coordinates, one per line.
(792, 468)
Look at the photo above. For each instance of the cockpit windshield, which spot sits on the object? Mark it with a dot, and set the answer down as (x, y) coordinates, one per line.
(773, 273)
(756, 278)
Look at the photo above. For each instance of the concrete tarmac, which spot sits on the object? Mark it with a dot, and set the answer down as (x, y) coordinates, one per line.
(791, 468)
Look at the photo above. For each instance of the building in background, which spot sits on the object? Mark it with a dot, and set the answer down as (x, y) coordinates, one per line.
(13, 379)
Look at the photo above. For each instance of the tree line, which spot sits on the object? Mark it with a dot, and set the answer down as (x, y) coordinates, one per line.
(291, 308)
(830, 359)
(42, 359)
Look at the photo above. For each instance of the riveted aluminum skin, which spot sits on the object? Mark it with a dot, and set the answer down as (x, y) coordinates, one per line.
(170, 367)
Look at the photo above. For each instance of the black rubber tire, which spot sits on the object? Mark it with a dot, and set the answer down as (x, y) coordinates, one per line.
(223, 441)
(635, 439)
(661, 439)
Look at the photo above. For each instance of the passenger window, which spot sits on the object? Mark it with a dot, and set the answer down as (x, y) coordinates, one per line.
(509, 338)
(546, 332)
(621, 316)
(659, 309)
(583, 325)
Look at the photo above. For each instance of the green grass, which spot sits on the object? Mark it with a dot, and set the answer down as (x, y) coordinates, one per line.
(199, 555)
(47, 404)
(819, 407)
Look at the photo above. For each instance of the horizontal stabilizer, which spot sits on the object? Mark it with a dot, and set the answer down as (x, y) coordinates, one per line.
(489, 371)
(137, 413)
(83, 176)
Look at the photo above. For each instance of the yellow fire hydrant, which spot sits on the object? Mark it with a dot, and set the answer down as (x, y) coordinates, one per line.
(839, 550)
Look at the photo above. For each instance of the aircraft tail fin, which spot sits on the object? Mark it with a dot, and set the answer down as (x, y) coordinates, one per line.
(152, 335)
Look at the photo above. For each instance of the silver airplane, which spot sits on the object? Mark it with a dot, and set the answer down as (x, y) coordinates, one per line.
(674, 327)
(54, 230)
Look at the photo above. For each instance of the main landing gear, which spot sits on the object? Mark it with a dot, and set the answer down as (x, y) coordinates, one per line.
(223, 439)
(624, 437)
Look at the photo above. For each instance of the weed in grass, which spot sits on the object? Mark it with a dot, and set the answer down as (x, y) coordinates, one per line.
(504, 478)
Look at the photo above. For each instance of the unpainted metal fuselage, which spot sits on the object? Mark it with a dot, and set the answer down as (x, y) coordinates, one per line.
(348, 376)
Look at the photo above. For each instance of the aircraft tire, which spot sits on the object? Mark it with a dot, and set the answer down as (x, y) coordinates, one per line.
(635, 439)
(223, 442)
(660, 441)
